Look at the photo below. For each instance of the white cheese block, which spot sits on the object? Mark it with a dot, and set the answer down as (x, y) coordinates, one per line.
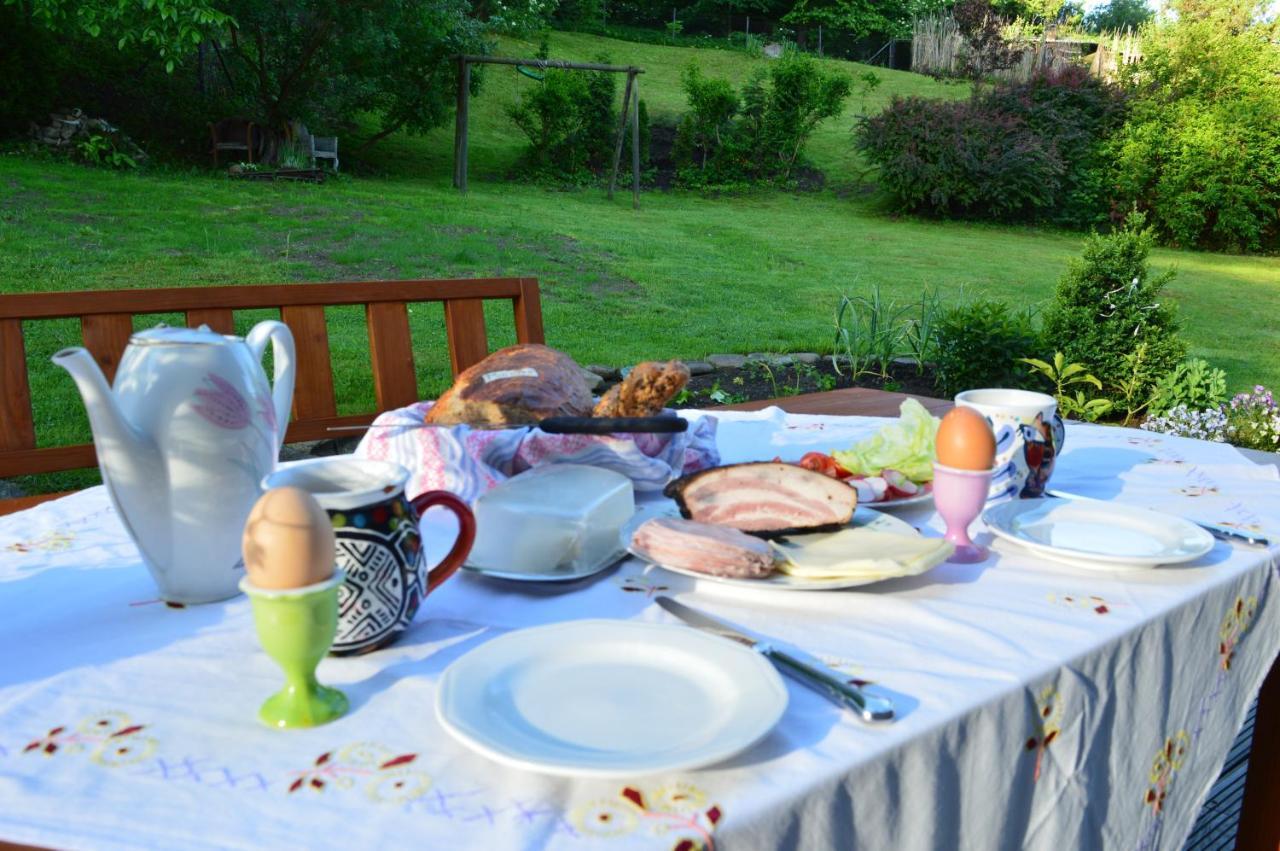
(561, 517)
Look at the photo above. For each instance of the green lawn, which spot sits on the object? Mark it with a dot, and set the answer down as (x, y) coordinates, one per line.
(684, 276)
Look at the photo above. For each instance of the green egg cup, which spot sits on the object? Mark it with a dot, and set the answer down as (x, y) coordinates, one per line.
(296, 627)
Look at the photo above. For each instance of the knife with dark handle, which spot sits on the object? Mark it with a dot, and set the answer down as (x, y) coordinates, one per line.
(566, 425)
(821, 679)
(1224, 533)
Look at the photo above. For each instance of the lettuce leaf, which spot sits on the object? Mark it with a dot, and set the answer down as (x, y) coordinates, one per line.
(906, 445)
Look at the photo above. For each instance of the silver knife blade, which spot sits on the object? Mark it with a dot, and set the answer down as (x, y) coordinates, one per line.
(820, 678)
(1222, 532)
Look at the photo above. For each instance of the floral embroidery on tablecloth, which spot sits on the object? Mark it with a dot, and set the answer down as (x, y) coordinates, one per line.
(677, 808)
(1167, 762)
(52, 541)
(385, 775)
(111, 739)
(1234, 625)
(1048, 725)
(1092, 602)
(1198, 490)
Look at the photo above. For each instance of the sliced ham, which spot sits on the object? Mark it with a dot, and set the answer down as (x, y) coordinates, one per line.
(714, 550)
(767, 499)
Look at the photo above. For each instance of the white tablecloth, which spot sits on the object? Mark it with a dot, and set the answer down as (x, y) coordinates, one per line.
(1041, 705)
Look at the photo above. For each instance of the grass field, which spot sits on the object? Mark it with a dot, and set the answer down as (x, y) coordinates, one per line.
(684, 276)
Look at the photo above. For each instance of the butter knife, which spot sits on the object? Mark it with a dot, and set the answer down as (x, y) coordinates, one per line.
(1224, 533)
(819, 678)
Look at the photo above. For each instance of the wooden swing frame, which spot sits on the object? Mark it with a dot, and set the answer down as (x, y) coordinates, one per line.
(631, 94)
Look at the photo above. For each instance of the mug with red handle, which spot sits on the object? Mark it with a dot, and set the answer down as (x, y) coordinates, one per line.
(378, 544)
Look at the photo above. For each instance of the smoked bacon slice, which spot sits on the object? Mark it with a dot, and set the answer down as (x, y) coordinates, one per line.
(767, 499)
(701, 547)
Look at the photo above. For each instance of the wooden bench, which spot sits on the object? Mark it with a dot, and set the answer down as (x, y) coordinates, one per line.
(106, 323)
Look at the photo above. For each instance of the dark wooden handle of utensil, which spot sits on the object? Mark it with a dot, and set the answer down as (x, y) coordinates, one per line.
(614, 425)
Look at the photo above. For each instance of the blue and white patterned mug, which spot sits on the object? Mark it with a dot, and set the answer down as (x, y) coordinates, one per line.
(1029, 435)
(377, 543)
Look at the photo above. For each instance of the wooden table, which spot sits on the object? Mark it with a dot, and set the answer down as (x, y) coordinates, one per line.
(1259, 826)
(851, 402)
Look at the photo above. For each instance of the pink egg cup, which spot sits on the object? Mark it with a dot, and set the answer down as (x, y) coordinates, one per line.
(959, 496)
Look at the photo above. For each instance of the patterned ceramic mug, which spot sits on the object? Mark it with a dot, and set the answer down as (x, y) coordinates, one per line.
(1029, 436)
(378, 544)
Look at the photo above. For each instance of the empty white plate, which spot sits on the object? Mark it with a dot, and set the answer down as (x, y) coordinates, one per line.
(1099, 534)
(609, 698)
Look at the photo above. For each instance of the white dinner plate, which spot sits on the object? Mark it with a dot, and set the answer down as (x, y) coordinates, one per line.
(904, 502)
(778, 581)
(609, 698)
(1098, 534)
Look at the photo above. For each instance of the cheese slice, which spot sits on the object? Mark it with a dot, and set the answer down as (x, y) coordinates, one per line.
(859, 553)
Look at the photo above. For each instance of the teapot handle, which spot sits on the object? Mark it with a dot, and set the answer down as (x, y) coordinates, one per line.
(282, 352)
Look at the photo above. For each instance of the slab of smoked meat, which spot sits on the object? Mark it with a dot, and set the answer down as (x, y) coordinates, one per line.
(768, 499)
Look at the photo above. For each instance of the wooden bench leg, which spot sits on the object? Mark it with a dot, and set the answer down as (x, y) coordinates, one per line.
(1260, 813)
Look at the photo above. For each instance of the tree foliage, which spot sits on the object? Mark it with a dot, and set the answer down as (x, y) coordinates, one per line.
(1118, 15)
(1200, 153)
(170, 29)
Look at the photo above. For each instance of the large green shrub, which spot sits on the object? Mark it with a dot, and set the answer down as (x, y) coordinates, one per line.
(980, 344)
(1010, 151)
(760, 137)
(1109, 314)
(571, 119)
(1201, 152)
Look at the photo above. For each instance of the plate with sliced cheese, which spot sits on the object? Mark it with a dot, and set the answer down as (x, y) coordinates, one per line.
(872, 548)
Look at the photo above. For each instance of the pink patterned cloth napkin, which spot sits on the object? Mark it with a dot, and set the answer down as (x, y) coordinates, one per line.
(469, 461)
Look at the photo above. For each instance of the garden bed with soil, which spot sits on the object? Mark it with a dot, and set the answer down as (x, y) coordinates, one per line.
(761, 380)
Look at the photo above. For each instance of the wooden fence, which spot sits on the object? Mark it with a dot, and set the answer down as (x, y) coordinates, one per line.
(938, 48)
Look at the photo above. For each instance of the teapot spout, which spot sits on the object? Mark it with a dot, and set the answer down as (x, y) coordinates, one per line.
(130, 461)
(113, 435)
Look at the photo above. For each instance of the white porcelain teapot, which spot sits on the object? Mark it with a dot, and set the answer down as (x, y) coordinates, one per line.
(184, 438)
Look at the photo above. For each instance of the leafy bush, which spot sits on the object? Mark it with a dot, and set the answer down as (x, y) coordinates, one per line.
(1077, 403)
(1107, 307)
(1200, 153)
(572, 124)
(1074, 113)
(706, 127)
(1013, 150)
(981, 344)
(760, 137)
(1192, 383)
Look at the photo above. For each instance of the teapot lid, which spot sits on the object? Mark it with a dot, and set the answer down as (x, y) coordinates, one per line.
(164, 335)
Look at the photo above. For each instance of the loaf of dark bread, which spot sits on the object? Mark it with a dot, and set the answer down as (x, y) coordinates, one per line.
(518, 385)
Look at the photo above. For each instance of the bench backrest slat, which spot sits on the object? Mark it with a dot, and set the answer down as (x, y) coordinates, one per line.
(16, 428)
(313, 382)
(106, 320)
(391, 349)
(105, 336)
(219, 319)
(464, 322)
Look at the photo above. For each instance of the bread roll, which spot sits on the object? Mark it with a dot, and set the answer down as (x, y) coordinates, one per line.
(518, 385)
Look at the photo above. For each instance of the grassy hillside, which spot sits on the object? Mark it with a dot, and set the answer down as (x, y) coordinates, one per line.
(496, 143)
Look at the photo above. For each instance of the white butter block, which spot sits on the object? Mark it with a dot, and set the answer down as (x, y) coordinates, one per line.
(557, 517)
